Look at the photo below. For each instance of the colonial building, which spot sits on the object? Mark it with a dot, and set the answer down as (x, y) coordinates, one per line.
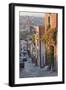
(51, 27)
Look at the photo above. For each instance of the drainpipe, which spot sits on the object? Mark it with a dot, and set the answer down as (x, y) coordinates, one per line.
(40, 45)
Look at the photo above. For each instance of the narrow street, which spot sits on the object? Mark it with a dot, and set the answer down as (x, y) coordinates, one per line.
(31, 70)
(38, 45)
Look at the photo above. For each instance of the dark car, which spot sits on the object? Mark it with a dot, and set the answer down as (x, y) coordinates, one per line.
(23, 57)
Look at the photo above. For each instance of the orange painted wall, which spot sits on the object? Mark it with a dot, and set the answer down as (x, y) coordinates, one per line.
(53, 25)
(53, 20)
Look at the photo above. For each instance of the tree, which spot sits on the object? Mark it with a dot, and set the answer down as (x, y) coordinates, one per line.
(33, 38)
(50, 37)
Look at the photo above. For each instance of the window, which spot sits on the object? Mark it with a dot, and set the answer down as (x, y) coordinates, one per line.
(48, 22)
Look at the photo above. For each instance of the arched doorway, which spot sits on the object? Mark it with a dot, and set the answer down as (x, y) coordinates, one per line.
(51, 57)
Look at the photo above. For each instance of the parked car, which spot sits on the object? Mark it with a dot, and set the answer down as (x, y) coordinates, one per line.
(23, 57)
(21, 64)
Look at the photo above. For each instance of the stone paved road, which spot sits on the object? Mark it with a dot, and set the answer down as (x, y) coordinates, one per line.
(31, 70)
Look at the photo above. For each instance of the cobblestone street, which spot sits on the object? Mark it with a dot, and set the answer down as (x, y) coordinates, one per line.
(31, 70)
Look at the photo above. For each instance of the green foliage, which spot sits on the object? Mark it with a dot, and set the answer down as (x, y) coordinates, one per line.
(50, 36)
(33, 38)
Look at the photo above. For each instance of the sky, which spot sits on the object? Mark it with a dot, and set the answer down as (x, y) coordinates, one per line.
(31, 14)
